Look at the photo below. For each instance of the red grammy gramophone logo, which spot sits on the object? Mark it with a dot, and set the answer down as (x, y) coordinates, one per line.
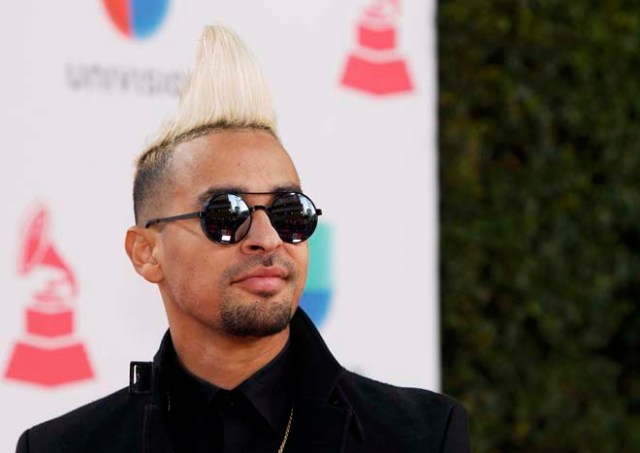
(376, 66)
(48, 352)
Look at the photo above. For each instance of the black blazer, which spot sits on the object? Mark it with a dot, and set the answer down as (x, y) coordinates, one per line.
(335, 411)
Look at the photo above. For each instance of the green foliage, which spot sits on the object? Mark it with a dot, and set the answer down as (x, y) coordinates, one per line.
(540, 222)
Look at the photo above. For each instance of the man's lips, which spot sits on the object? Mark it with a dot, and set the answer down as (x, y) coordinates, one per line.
(263, 279)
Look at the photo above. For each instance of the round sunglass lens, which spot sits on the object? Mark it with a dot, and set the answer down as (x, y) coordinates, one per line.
(226, 218)
(294, 217)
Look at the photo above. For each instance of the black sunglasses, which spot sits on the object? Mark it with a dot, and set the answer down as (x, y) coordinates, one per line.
(226, 218)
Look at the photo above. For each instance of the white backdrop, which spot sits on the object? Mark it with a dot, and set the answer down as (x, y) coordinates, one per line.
(79, 101)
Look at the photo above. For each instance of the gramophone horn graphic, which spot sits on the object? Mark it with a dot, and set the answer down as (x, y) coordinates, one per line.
(48, 353)
(376, 66)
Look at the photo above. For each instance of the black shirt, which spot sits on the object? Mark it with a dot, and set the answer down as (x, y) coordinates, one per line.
(250, 418)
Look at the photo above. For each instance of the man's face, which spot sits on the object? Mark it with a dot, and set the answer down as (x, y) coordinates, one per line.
(248, 289)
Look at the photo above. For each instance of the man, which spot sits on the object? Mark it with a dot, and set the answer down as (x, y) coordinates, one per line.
(221, 225)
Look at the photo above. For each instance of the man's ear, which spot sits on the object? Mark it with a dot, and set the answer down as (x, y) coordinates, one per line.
(140, 244)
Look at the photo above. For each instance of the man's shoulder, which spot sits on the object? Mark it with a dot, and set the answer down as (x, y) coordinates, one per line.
(365, 391)
(393, 414)
(84, 426)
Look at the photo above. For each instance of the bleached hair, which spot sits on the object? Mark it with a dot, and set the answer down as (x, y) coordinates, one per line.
(225, 90)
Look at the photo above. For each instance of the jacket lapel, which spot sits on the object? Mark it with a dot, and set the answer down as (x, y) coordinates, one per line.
(322, 418)
(155, 436)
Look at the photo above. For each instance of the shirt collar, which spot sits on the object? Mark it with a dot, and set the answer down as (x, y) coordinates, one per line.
(268, 391)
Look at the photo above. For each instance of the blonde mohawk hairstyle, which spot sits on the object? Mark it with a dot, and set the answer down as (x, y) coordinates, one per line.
(225, 90)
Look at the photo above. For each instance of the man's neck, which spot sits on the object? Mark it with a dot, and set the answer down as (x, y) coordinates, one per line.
(223, 360)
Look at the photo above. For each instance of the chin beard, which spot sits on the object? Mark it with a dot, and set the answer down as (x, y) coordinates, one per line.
(259, 319)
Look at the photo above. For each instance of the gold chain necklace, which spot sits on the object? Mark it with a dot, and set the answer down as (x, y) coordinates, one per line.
(286, 432)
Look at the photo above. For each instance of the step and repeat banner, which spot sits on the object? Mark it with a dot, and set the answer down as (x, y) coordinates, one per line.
(85, 87)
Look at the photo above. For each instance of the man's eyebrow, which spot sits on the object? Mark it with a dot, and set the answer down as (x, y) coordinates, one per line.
(211, 191)
(205, 196)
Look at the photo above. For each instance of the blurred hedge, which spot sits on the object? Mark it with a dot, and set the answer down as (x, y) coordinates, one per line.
(540, 222)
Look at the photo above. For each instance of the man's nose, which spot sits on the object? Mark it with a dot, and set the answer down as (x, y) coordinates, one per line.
(261, 237)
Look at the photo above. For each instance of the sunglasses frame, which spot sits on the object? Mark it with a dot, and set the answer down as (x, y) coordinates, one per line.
(267, 209)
